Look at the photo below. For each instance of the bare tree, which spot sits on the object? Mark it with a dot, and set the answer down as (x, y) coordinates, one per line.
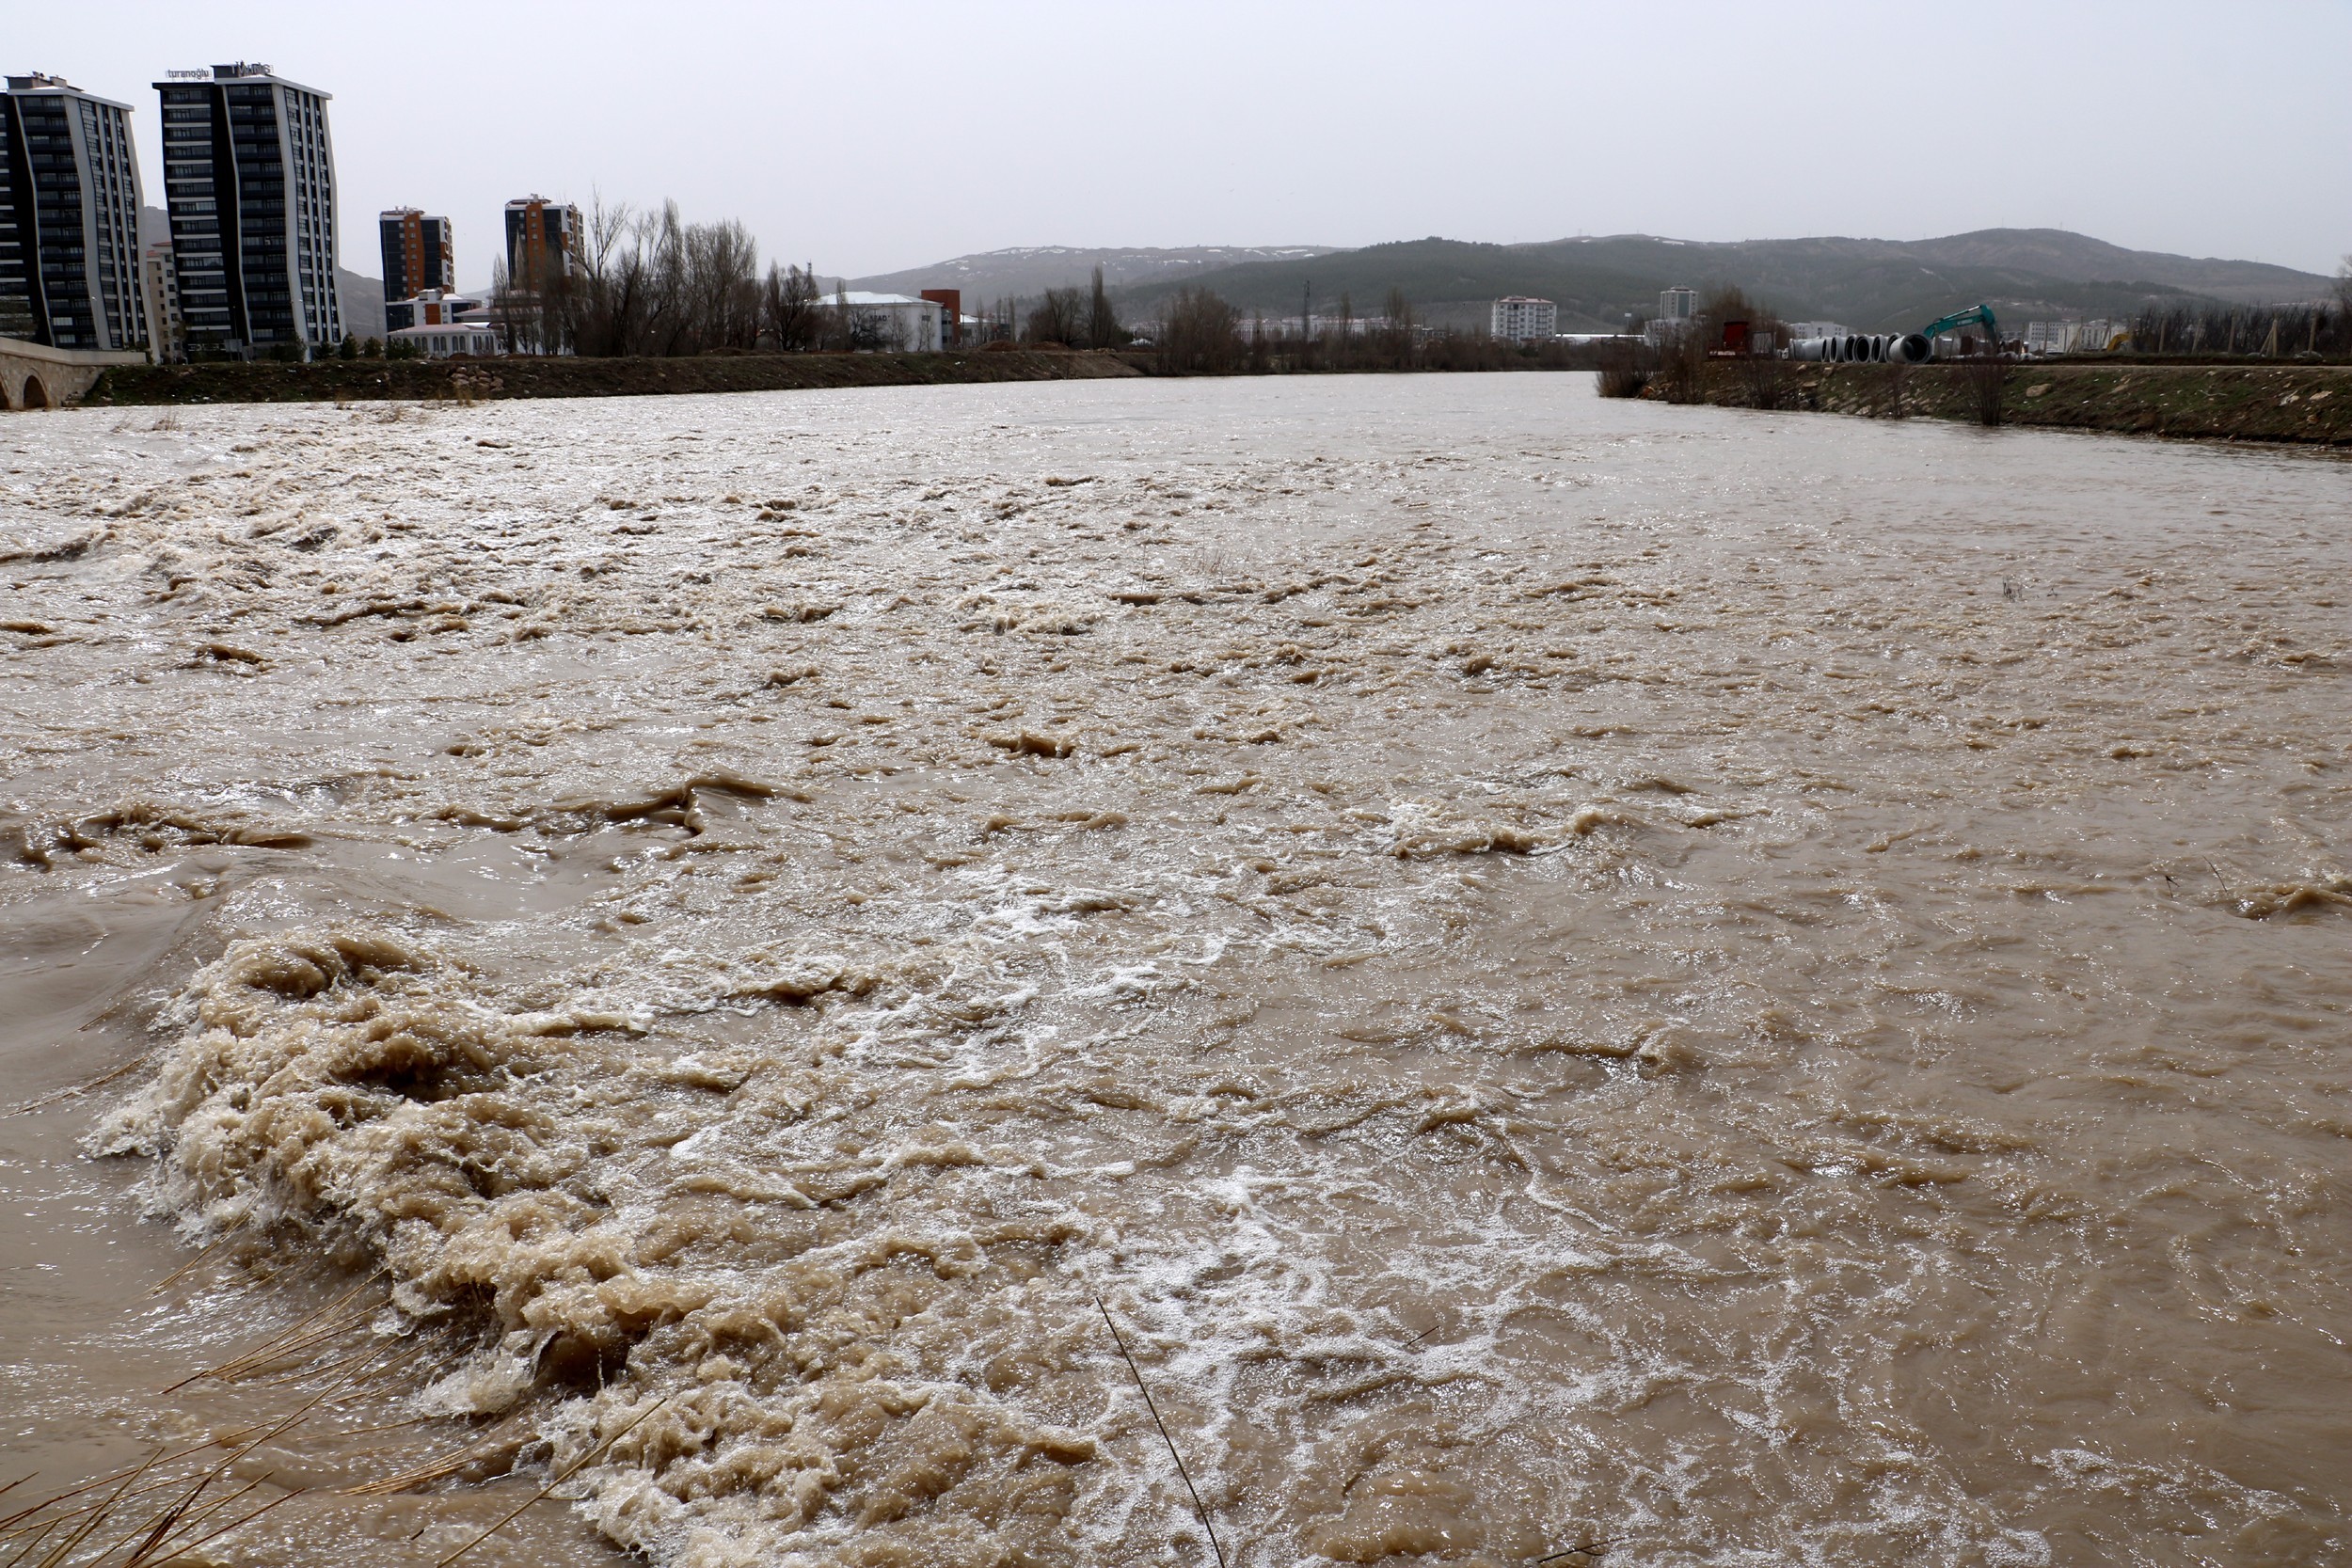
(1199, 333)
(651, 284)
(1059, 317)
(1102, 329)
(719, 292)
(789, 308)
(505, 308)
(852, 328)
(1399, 329)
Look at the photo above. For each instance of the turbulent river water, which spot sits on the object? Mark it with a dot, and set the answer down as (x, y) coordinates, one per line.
(1578, 981)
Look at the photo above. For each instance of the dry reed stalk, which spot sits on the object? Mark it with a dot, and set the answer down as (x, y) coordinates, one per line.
(388, 1426)
(274, 1348)
(158, 1530)
(36, 1540)
(150, 1534)
(371, 1353)
(569, 1471)
(199, 1516)
(234, 1523)
(20, 1519)
(440, 1469)
(97, 1516)
(74, 1092)
(1199, 1510)
(93, 1485)
(188, 1268)
(77, 1512)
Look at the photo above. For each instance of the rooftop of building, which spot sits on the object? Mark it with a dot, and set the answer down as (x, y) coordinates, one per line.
(239, 71)
(859, 296)
(41, 81)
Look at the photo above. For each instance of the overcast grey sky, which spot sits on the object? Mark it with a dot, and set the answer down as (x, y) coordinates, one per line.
(870, 137)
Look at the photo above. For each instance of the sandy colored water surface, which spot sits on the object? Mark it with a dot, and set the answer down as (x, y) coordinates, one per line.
(1705, 986)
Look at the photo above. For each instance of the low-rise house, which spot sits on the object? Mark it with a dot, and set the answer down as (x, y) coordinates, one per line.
(442, 340)
(428, 307)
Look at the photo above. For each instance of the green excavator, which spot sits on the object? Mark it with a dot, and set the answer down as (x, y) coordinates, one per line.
(1915, 348)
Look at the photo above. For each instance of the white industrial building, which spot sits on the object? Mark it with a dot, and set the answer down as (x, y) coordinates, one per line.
(2075, 337)
(1517, 319)
(909, 326)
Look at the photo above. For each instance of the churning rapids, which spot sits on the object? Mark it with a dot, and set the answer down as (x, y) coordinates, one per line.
(1580, 980)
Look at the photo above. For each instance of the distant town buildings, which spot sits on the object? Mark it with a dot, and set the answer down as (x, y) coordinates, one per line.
(1519, 318)
(543, 242)
(418, 256)
(69, 219)
(2074, 336)
(166, 334)
(249, 173)
(1677, 308)
(1800, 330)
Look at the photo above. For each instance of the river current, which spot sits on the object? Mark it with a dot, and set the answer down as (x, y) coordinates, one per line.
(1577, 981)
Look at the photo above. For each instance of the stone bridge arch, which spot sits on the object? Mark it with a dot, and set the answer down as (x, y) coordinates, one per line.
(33, 375)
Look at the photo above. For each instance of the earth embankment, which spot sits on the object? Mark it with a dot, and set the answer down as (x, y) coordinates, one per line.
(471, 380)
(2306, 405)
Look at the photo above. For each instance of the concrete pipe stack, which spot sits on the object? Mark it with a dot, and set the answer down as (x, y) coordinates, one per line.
(1866, 348)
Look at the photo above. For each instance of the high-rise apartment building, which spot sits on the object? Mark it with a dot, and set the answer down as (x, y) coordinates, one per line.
(1677, 304)
(167, 335)
(69, 219)
(1517, 319)
(250, 177)
(543, 241)
(418, 255)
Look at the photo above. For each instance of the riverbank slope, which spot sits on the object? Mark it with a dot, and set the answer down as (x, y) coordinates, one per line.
(2307, 405)
(475, 380)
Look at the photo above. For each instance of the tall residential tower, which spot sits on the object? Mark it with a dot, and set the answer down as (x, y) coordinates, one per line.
(69, 219)
(543, 239)
(418, 255)
(251, 176)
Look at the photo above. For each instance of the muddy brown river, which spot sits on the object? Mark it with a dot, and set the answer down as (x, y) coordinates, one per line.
(1576, 981)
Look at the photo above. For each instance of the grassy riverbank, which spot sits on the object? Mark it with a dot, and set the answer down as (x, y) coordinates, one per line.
(469, 380)
(2307, 405)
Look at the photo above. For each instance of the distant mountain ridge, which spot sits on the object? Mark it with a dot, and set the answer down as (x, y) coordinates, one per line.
(1030, 270)
(2079, 257)
(1597, 282)
(1871, 285)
